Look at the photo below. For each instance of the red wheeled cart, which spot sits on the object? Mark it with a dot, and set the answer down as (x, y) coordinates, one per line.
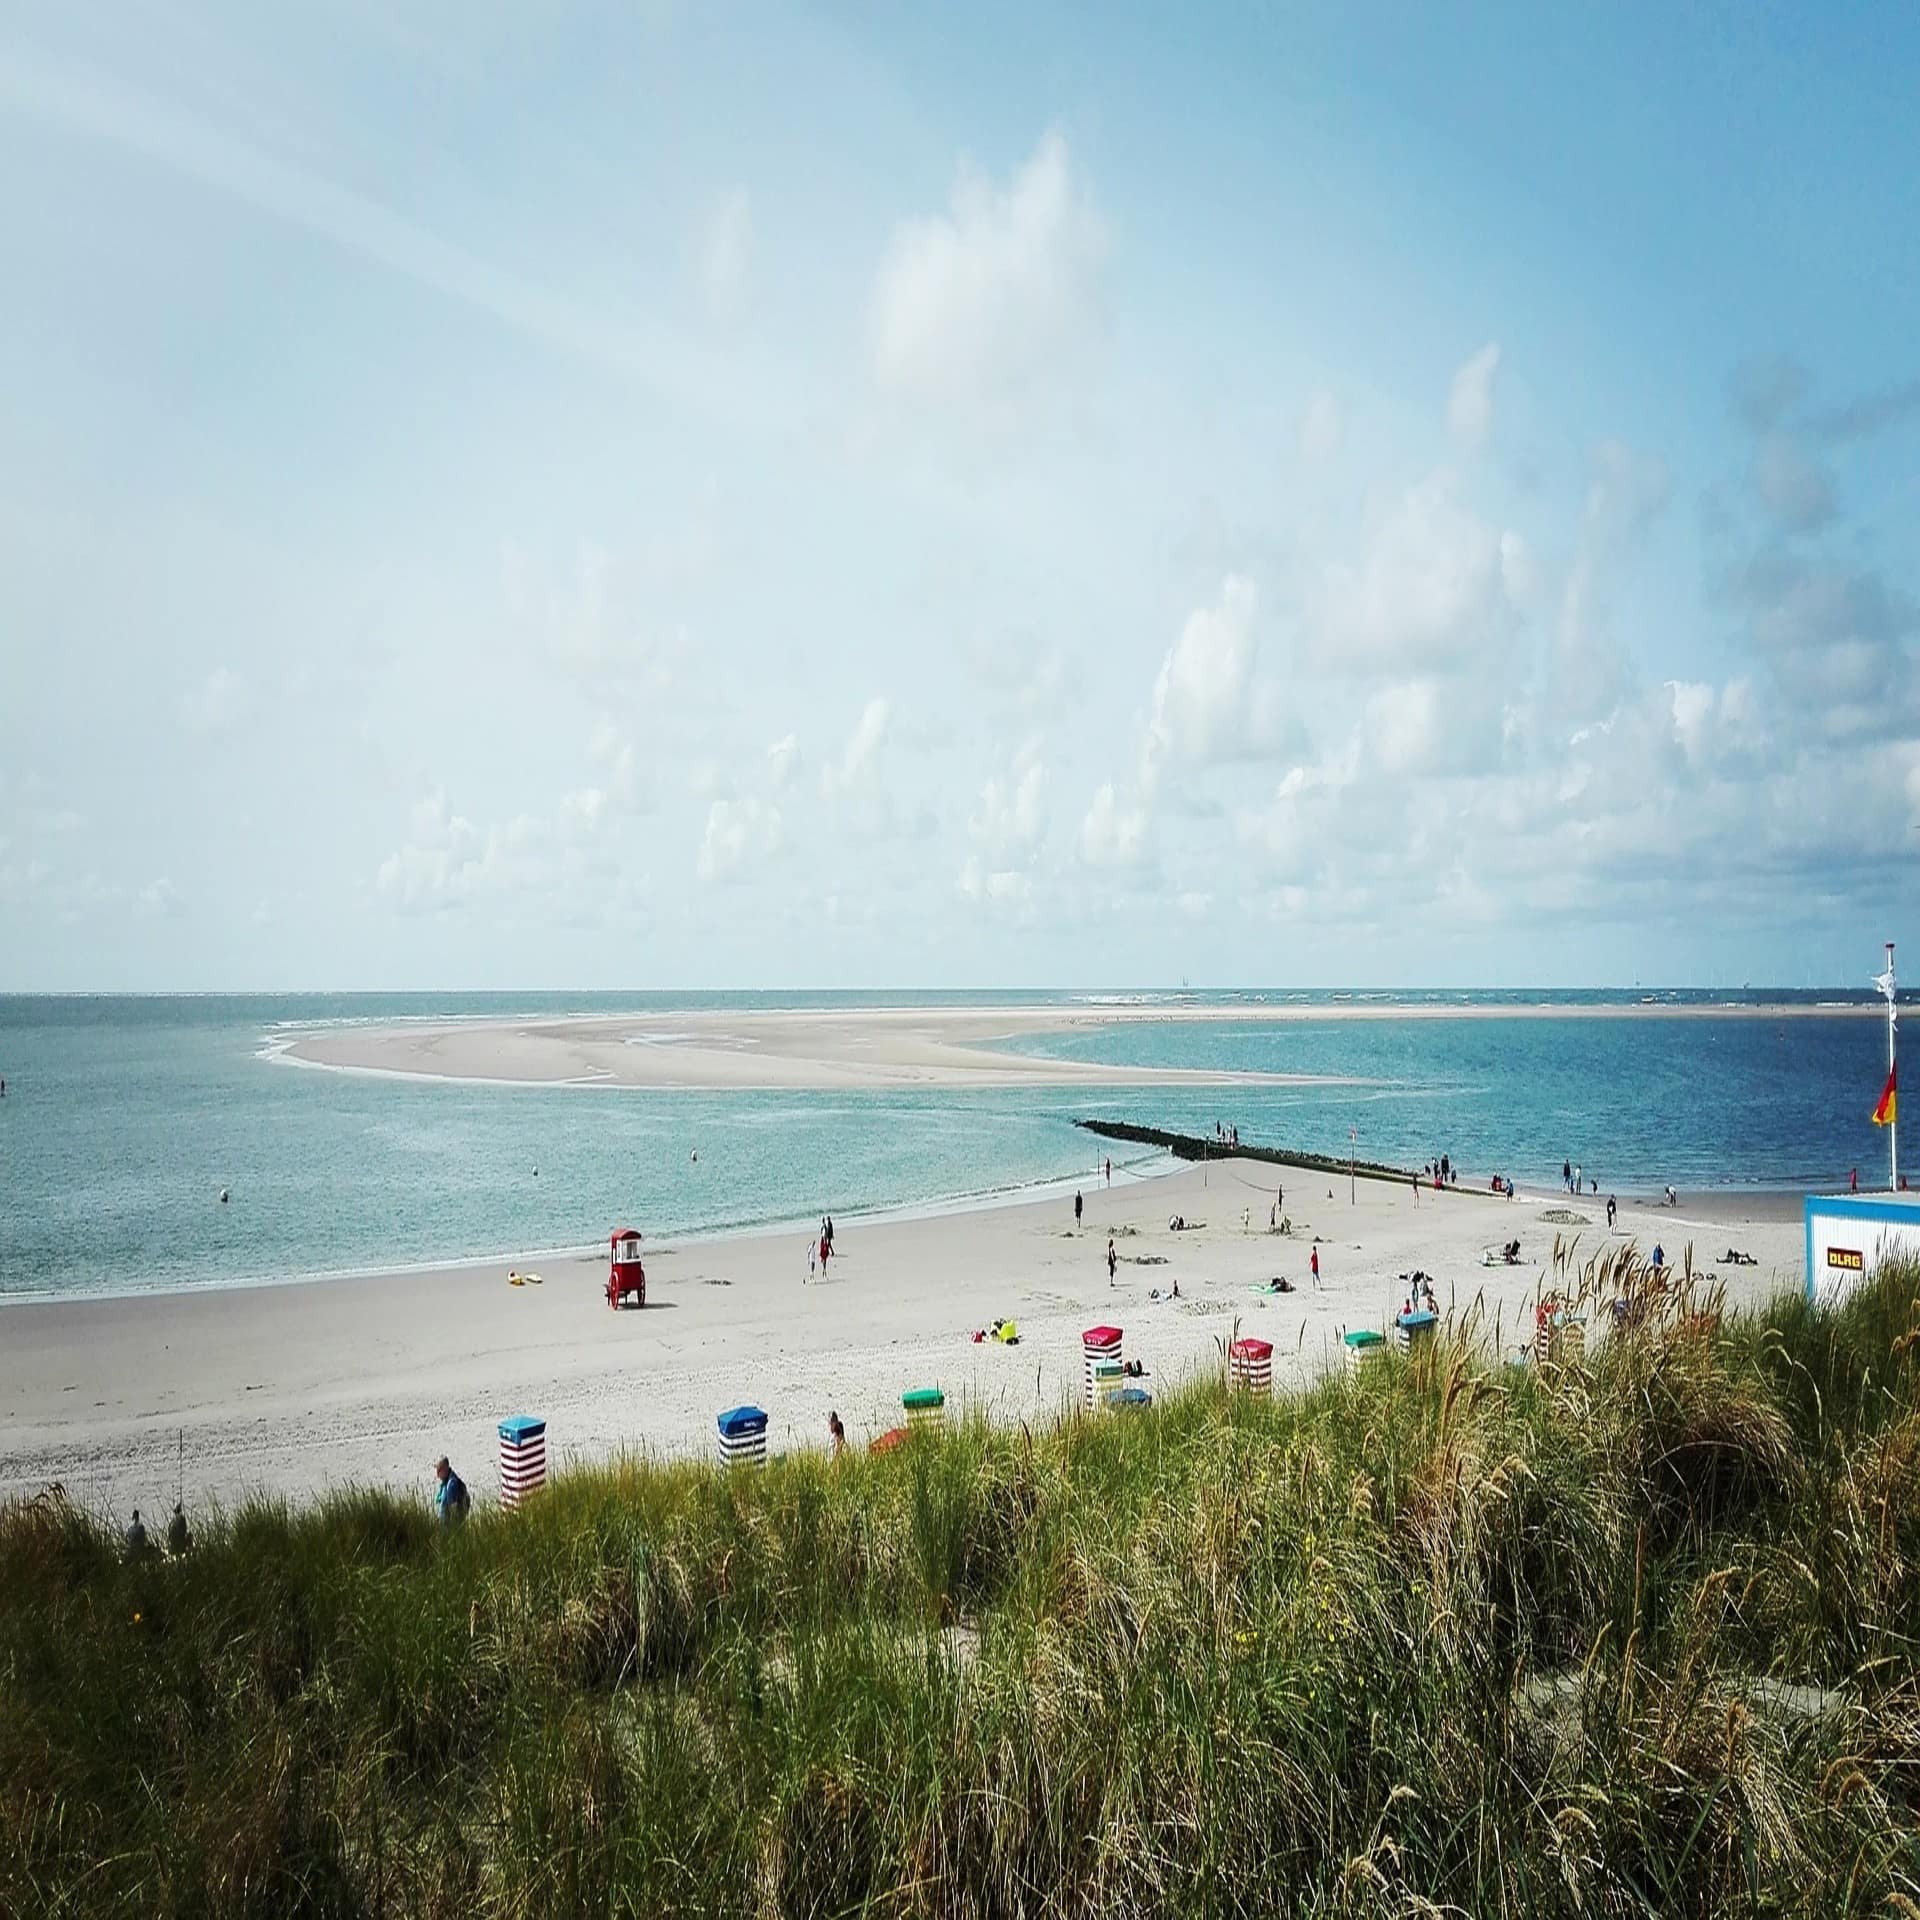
(625, 1275)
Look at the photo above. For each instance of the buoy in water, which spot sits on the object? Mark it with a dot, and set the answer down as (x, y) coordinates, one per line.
(223, 1196)
(695, 1156)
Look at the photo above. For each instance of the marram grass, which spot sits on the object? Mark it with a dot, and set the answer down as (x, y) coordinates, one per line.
(1632, 1635)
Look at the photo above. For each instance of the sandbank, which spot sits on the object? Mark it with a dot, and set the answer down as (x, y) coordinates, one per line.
(836, 1048)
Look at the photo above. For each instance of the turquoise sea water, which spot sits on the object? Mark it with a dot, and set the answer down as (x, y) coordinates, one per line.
(124, 1118)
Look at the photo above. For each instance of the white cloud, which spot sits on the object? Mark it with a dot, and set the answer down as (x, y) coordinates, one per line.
(998, 886)
(1436, 585)
(619, 789)
(739, 833)
(446, 861)
(1322, 425)
(1200, 700)
(1010, 818)
(726, 249)
(1006, 829)
(859, 762)
(1470, 397)
(984, 302)
(1113, 835)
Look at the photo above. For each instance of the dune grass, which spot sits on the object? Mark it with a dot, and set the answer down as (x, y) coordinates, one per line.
(1634, 1634)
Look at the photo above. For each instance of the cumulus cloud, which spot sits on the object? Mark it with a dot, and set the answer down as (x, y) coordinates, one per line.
(739, 834)
(997, 885)
(859, 761)
(984, 302)
(1470, 397)
(619, 788)
(1113, 835)
(1435, 583)
(1200, 700)
(783, 760)
(446, 861)
(1009, 819)
(1006, 829)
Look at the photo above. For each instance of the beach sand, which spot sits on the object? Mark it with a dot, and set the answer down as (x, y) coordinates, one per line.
(819, 1048)
(291, 1389)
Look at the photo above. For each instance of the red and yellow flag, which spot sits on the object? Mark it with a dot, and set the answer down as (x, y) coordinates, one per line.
(1883, 1115)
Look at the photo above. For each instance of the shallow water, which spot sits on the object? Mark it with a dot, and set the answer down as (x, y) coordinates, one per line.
(124, 1118)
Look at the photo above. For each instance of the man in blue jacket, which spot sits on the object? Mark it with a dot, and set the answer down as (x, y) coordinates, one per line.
(451, 1501)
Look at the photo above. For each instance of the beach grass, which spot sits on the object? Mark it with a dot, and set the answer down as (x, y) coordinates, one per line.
(1633, 1632)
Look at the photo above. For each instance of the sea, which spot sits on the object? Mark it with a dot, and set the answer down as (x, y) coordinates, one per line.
(124, 1118)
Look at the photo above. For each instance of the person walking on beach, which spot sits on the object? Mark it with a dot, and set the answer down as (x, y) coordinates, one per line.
(1113, 1260)
(1566, 1174)
(178, 1538)
(829, 1232)
(1853, 1181)
(1612, 1209)
(826, 1251)
(836, 1435)
(1078, 1204)
(1415, 1178)
(1314, 1263)
(451, 1501)
(136, 1537)
(813, 1253)
(1109, 1172)
(1576, 1183)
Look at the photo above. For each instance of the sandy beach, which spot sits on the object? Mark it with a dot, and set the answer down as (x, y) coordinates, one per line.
(763, 1049)
(293, 1388)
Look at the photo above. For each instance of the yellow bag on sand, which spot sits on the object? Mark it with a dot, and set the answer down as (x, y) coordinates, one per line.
(1006, 1332)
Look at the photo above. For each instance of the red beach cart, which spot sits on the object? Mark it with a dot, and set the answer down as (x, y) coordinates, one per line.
(625, 1274)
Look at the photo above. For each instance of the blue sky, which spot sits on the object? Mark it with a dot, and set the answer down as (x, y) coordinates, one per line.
(659, 496)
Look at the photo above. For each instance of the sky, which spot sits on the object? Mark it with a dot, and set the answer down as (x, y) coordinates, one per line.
(675, 495)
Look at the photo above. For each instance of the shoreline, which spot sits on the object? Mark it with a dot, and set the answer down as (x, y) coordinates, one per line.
(1157, 1166)
(296, 1389)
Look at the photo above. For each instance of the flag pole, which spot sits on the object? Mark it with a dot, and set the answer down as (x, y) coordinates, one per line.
(1893, 1129)
(1886, 985)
